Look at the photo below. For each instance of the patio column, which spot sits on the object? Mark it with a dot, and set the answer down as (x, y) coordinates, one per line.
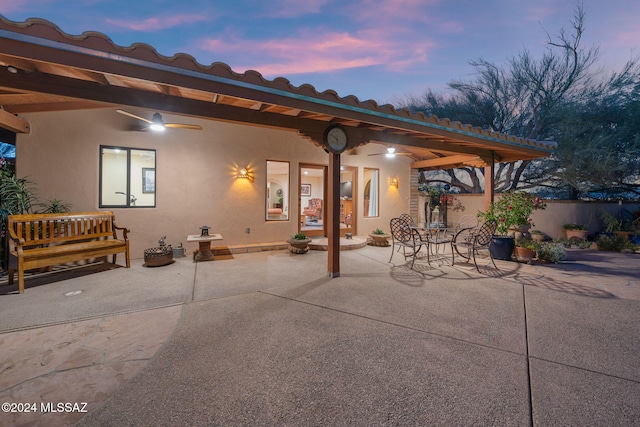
(333, 215)
(489, 190)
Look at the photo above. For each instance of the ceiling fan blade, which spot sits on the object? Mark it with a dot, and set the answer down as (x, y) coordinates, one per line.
(126, 113)
(182, 126)
(391, 154)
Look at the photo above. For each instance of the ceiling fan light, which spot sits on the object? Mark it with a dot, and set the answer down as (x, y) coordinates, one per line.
(391, 152)
(157, 123)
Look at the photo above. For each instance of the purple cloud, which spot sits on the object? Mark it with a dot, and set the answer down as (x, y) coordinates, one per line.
(157, 23)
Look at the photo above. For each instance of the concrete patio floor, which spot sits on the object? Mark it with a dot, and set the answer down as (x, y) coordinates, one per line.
(268, 339)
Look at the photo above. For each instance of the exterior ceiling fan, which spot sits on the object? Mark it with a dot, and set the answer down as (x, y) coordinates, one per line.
(391, 152)
(157, 124)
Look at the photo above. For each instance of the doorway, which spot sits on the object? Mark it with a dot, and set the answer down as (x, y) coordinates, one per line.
(312, 199)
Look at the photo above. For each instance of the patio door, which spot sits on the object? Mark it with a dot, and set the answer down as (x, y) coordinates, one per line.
(312, 199)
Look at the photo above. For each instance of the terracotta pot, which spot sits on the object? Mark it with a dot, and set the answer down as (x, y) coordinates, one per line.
(520, 231)
(578, 234)
(380, 239)
(622, 233)
(524, 254)
(538, 237)
(299, 246)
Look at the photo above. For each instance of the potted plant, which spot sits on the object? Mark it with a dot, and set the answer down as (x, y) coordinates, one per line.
(538, 236)
(578, 231)
(551, 252)
(379, 237)
(525, 249)
(613, 225)
(299, 243)
(512, 211)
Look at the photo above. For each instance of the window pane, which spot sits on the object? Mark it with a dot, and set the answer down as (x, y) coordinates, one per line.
(371, 192)
(113, 179)
(143, 178)
(277, 196)
(127, 177)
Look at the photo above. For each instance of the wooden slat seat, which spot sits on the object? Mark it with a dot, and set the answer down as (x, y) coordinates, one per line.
(43, 240)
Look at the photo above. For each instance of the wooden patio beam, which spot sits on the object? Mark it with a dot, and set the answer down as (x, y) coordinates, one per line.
(13, 123)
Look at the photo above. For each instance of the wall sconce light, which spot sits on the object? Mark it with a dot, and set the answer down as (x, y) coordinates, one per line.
(393, 182)
(245, 173)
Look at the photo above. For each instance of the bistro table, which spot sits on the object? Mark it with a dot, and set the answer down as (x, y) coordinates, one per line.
(204, 245)
(436, 233)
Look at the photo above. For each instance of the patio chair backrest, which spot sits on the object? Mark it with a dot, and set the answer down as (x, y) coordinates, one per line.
(486, 232)
(406, 217)
(400, 230)
(468, 221)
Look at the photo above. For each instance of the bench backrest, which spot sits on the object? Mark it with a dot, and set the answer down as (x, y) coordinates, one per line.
(39, 229)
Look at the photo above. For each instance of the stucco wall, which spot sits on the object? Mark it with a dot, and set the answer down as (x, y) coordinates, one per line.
(556, 214)
(195, 174)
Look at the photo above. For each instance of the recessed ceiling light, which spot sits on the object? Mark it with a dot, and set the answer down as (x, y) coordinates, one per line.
(72, 293)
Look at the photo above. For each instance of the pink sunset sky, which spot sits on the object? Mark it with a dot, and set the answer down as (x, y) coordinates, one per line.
(381, 50)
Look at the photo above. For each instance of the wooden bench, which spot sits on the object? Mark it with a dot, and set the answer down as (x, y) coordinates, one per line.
(45, 240)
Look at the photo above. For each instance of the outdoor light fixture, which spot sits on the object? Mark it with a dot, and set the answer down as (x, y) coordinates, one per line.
(391, 152)
(244, 172)
(156, 123)
(393, 182)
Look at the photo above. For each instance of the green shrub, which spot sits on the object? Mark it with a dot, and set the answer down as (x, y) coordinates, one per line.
(299, 236)
(552, 252)
(613, 243)
(573, 243)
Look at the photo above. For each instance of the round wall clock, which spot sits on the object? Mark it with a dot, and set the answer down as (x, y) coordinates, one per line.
(335, 138)
(279, 192)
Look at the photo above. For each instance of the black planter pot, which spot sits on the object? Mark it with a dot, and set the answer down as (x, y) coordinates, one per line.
(502, 247)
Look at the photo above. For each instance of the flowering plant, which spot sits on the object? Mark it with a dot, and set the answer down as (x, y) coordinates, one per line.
(513, 209)
(552, 252)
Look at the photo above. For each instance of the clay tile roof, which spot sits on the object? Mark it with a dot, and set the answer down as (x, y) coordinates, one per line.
(278, 91)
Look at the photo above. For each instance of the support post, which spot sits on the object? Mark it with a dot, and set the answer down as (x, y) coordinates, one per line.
(333, 215)
(489, 190)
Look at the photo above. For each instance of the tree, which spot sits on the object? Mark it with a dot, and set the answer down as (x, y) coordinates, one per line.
(599, 150)
(549, 98)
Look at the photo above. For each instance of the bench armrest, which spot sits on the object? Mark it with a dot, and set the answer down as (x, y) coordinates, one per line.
(13, 236)
(124, 231)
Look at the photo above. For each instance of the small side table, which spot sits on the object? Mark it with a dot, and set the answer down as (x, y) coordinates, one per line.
(204, 245)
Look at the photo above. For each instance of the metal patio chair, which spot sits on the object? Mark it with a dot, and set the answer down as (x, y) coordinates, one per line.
(406, 217)
(467, 221)
(406, 237)
(468, 241)
(409, 219)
